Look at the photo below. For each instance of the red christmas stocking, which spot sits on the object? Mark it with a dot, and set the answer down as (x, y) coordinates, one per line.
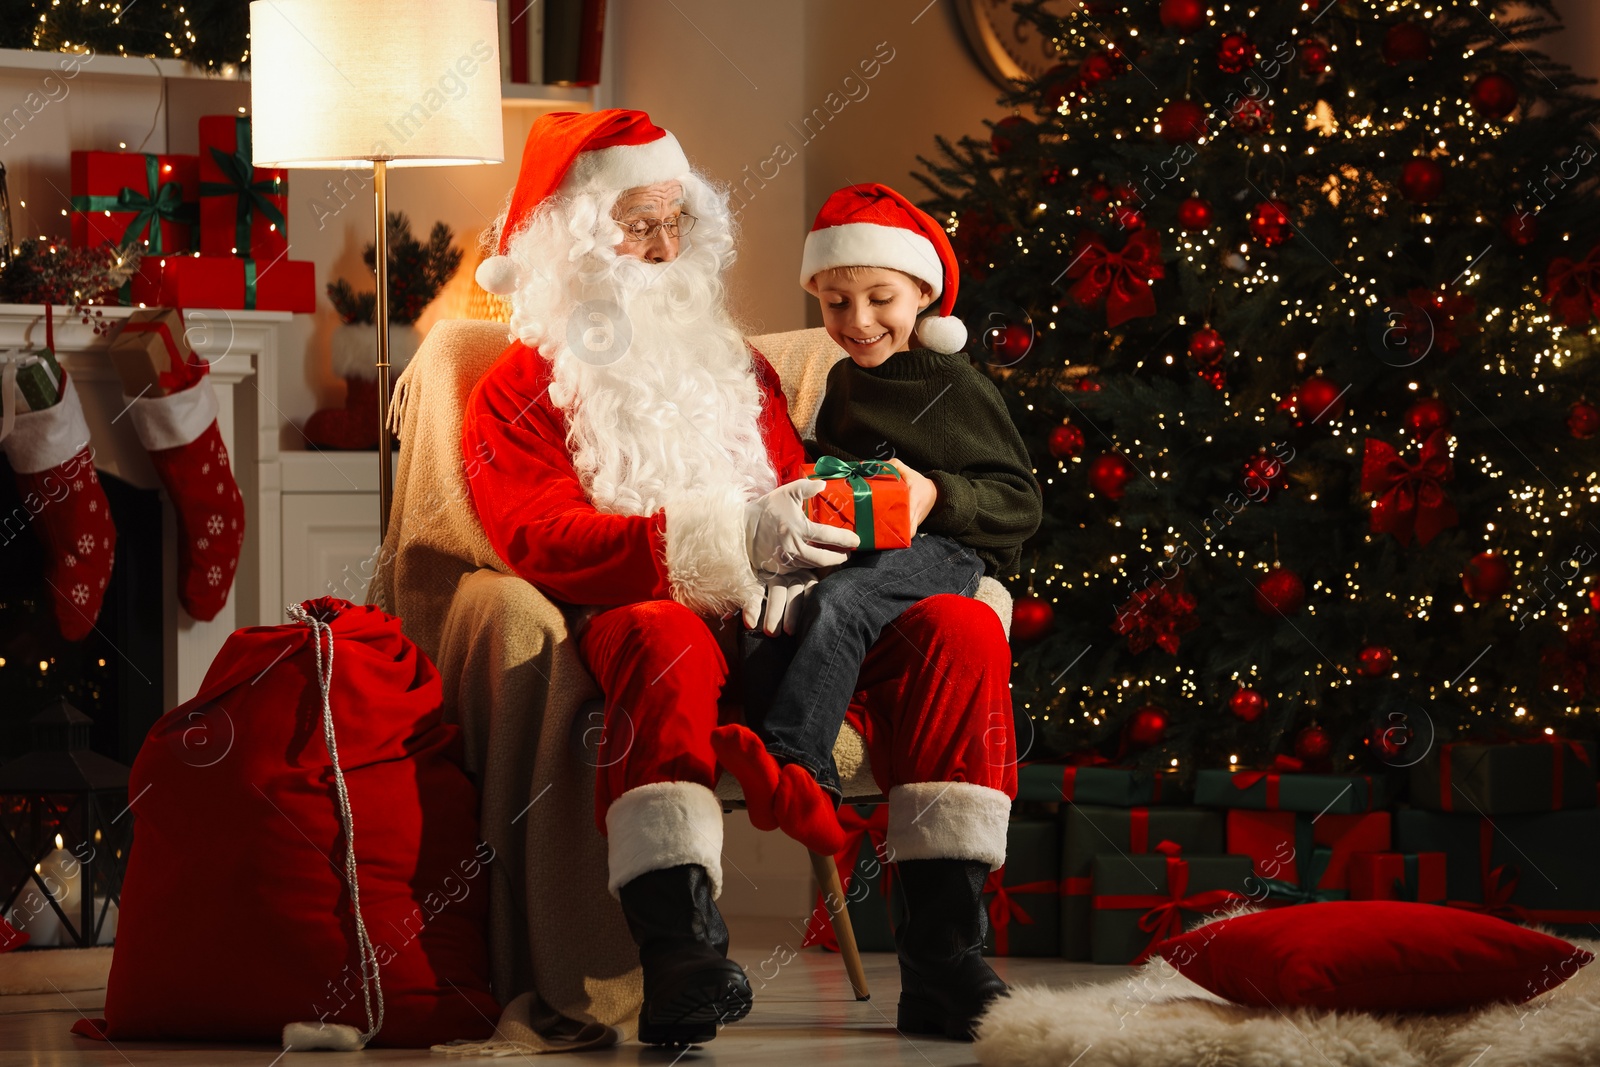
(180, 433)
(61, 496)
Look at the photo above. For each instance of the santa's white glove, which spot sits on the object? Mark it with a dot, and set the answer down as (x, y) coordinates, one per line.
(780, 539)
(783, 594)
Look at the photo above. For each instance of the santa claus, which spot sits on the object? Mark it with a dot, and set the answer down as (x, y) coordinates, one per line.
(644, 471)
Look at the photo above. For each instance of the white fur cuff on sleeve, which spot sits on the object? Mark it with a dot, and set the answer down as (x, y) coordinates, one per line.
(708, 565)
(947, 821)
(660, 825)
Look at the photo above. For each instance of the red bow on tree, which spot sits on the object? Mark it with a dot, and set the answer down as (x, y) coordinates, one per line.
(1122, 278)
(1570, 288)
(1411, 496)
(1156, 615)
(1441, 315)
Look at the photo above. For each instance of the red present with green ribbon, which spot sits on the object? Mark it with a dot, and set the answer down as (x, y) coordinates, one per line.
(1140, 901)
(1088, 831)
(1021, 897)
(1511, 778)
(238, 284)
(243, 208)
(868, 497)
(132, 198)
(1302, 858)
(1418, 876)
(1283, 787)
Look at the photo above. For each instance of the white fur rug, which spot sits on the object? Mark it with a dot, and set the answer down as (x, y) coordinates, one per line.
(1155, 1017)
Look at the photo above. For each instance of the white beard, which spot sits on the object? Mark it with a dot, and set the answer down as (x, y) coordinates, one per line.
(655, 379)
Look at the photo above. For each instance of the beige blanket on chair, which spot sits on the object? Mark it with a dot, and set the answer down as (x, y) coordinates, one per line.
(562, 963)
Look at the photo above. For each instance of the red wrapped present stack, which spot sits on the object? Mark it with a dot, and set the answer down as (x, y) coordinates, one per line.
(238, 284)
(243, 208)
(1301, 857)
(1418, 876)
(131, 198)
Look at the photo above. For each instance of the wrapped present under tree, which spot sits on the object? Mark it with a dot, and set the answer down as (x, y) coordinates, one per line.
(1118, 787)
(1285, 788)
(1513, 778)
(1302, 858)
(1141, 900)
(1418, 876)
(868, 497)
(1021, 897)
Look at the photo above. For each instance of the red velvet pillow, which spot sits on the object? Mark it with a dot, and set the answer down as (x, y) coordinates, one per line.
(1372, 955)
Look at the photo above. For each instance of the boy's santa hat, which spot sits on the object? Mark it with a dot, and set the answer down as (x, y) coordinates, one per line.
(871, 225)
(570, 152)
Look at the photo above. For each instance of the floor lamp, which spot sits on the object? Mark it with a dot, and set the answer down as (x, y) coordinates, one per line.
(390, 83)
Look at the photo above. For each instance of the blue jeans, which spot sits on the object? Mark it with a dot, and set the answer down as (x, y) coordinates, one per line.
(797, 687)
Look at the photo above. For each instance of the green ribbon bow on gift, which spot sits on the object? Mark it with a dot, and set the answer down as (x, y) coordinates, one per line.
(1311, 870)
(161, 202)
(832, 468)
(238, 169)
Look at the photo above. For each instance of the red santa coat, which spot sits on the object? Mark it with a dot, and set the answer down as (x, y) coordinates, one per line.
(539, 519)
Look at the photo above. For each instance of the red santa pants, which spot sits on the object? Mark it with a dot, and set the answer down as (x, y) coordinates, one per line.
(933, 702)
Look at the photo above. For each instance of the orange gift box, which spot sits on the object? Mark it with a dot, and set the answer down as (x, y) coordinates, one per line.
(873, 487)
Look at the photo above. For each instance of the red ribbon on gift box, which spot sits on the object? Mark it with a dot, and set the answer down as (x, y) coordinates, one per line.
(1164, 918)
(1557, 768)
(1280, 764)
(1002, 908)
(857, 829)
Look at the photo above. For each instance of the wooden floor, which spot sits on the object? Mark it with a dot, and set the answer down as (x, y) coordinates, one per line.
(805, 1014)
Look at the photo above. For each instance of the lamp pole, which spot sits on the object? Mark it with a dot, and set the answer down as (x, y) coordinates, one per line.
(380, 201)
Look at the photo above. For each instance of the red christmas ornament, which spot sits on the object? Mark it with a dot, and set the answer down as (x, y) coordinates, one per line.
(1059, 85)
(1487, 576)
(1098, 192)
(1147, 727)
(1031, 618)
(1281, 592)
(1235, 53)
(1251, 117)
(1406, 42)
(1315, 56)
(1269, 223)
(1109, 474)
(1263, 476)
(1007, 132)
(1065, 441)
(1521, 228)
(1195, 214)
(1375, 661)
(1247, 705)
(1389, 742)
(1313, 745)
(1098, 67)
(1594, 600)
(1427, 415)
(1049, 173)
(1183, 16)
(1087, 384)
(1206, 346)
(1318, 400)
(1183, 122)
(1583, 420)
(1494, 96)
(1422, 180)
(1008, 343)
(1127, 218)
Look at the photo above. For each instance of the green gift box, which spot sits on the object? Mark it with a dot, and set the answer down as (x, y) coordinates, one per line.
(1274, 790)
(1516, 778)
(1526, 868)
(38, 378)
(1088, 832)
(1117, 787)
(1141, 900)
(1020, 898)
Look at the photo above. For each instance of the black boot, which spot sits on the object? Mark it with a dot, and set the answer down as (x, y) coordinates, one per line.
(945, 983)
(690, 986)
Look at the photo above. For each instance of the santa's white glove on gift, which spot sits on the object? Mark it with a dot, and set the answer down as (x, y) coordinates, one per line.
(783, 594)
(780, 538)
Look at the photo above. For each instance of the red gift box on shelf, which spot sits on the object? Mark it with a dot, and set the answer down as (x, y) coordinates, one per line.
(130, 198)
(243, 208)
(1418, 876)
(1304, 857)
(236, 283)
(868, 497)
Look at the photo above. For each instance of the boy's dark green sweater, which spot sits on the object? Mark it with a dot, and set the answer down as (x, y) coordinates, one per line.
(943, 418)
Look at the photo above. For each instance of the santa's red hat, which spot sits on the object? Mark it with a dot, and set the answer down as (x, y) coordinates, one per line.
(577, 152)
(871, 225)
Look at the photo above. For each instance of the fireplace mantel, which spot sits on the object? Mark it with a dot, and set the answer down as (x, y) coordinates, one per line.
(243, 350)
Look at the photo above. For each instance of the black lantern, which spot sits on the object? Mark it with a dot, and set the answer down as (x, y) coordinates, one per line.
(67, 826)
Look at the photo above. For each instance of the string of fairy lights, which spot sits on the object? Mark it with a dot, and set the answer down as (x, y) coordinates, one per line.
(1518, 338)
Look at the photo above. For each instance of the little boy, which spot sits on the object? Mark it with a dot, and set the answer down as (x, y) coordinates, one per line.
(874, 260)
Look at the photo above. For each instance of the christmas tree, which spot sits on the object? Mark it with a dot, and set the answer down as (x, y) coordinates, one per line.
(1294, 303)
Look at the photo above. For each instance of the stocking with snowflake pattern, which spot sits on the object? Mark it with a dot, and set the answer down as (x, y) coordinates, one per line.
(180, 433)
(63, 501)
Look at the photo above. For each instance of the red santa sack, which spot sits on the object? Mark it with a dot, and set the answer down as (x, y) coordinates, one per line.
(237, 921)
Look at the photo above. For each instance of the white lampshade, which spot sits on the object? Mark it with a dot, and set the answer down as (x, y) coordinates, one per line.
(336, 83)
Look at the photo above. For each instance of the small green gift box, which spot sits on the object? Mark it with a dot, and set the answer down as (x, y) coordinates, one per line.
(1117, 787)
(1020, 897)
(1287, 790)
(38, 378)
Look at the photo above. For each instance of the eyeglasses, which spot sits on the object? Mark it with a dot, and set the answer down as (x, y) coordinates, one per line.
(646, 229)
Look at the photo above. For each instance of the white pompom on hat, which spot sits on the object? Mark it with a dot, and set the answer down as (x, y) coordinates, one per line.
(871, 225)
(575, 152)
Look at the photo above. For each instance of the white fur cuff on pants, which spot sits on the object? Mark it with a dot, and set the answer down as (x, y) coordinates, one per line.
(947, 821)
(664, 824)
(708, 564)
